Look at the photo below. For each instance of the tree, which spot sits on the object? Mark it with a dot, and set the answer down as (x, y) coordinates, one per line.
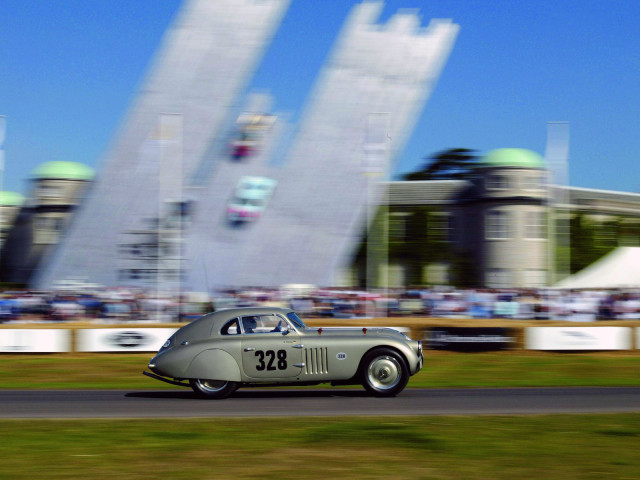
(452, 164)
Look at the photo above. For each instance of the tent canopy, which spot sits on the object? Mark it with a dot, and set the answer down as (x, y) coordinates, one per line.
(617, 269)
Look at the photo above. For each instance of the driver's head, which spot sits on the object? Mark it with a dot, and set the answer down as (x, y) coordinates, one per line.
(250, 324)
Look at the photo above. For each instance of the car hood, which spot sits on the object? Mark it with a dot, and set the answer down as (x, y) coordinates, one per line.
(356, 332)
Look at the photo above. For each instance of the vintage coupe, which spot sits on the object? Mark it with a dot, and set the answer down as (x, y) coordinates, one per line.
(254, 346)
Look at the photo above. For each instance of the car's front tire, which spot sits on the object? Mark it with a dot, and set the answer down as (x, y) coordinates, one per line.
(216, 389)
(384, 372)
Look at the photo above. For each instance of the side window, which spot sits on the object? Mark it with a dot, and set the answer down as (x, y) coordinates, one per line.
(498, 182)
(231, 328)
(263, 324)
(497, 225)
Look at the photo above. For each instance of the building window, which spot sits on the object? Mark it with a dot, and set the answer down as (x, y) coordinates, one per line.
(498, 182)
(50, 191)
(535, 225)
(53, 224)
(534, 182)
(439, 227)
(398, 226)
(498, 225)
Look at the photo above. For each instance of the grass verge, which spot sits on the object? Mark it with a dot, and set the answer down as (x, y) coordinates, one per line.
(503, 369)
(532, 447)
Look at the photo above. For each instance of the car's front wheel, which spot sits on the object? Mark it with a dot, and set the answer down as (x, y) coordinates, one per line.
(216, 389)
(384, 372)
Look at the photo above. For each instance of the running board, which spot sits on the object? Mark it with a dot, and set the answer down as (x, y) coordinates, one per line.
(162, 379)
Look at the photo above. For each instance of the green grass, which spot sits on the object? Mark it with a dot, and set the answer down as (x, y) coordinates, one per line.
(530, 447)
(504, 369)
(486, 447)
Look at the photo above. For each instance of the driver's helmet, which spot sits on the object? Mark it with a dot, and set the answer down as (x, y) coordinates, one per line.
(249, 324)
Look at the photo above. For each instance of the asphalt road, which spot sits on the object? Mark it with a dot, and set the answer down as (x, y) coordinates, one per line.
(330, 402)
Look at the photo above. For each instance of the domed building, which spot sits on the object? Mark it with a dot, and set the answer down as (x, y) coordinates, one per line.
(10, 204)
(501, 226)
(511, 200)
(56, 188)
(489, 229)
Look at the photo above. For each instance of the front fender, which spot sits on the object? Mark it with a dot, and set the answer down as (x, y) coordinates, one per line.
(214, 364)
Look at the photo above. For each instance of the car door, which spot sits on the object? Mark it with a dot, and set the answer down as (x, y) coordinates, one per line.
(271, 348)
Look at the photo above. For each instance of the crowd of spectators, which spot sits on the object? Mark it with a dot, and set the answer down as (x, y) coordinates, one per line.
(118, 305)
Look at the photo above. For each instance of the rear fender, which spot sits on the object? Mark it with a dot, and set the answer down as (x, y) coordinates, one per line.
(214, 364)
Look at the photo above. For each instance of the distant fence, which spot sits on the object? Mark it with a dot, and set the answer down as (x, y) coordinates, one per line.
(129, 338)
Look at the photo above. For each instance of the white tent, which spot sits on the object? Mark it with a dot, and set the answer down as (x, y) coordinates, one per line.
(617, 269)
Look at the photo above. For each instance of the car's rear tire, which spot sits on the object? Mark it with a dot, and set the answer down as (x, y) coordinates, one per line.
(216, 389)
(384, 372)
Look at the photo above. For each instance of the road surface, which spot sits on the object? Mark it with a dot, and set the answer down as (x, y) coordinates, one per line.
(326, 402)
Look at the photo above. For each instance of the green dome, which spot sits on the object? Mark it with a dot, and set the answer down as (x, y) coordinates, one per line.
(63, 171)
(10, 199)
(513, 157)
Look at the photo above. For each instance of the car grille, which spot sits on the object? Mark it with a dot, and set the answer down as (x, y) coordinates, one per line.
(316, 361)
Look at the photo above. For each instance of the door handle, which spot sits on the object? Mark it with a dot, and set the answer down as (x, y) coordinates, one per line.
(249, 349)
(298, 346)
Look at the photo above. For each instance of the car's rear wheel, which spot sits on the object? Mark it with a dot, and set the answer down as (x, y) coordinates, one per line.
(213, 388)
(384, 372)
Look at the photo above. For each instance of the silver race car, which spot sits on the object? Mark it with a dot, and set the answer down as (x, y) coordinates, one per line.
(239, 347)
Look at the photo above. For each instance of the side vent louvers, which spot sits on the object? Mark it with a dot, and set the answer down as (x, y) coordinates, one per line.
(316, 361)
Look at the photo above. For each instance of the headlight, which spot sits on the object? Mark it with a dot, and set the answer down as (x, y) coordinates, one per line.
(166, 344)
(420, 346)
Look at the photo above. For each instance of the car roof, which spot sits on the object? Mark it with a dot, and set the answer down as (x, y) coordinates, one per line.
(212, 322)
(241, 311)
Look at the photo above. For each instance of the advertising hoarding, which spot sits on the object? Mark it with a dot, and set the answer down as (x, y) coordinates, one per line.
(578, 338)
(469, 339)
(27, 340)
(121, 339)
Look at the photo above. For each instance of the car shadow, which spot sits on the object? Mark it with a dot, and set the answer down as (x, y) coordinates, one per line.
(251, 393)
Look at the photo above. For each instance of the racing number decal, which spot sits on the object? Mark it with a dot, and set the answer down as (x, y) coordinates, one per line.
(271, 357)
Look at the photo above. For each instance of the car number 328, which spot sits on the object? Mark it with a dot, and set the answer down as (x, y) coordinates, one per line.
(279, 357)
(233, 348)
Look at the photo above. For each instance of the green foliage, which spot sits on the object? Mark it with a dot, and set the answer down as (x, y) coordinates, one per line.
(452, 164)
(590, 240)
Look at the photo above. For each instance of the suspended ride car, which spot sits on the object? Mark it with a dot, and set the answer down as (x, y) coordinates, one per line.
(251, 196)
(267, 346)
(250, 133)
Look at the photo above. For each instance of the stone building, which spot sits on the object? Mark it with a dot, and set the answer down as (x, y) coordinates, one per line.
(501, 229)
(56, 188)
(502, 219)
(10, 204)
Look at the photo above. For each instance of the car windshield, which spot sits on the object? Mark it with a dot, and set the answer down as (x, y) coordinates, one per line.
(295, 319)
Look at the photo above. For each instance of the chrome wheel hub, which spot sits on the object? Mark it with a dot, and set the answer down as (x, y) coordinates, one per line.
(384, 372)
(212, 385)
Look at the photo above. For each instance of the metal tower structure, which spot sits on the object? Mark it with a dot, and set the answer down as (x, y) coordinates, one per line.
(203, 65)
(360, 114)
(165, 196)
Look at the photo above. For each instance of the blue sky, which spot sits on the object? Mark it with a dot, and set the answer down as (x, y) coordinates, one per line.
(70, 68)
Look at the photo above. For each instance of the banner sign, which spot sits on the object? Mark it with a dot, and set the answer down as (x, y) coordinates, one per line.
(578, 338)
(31, 340)
(469, 339)
(122, 339)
